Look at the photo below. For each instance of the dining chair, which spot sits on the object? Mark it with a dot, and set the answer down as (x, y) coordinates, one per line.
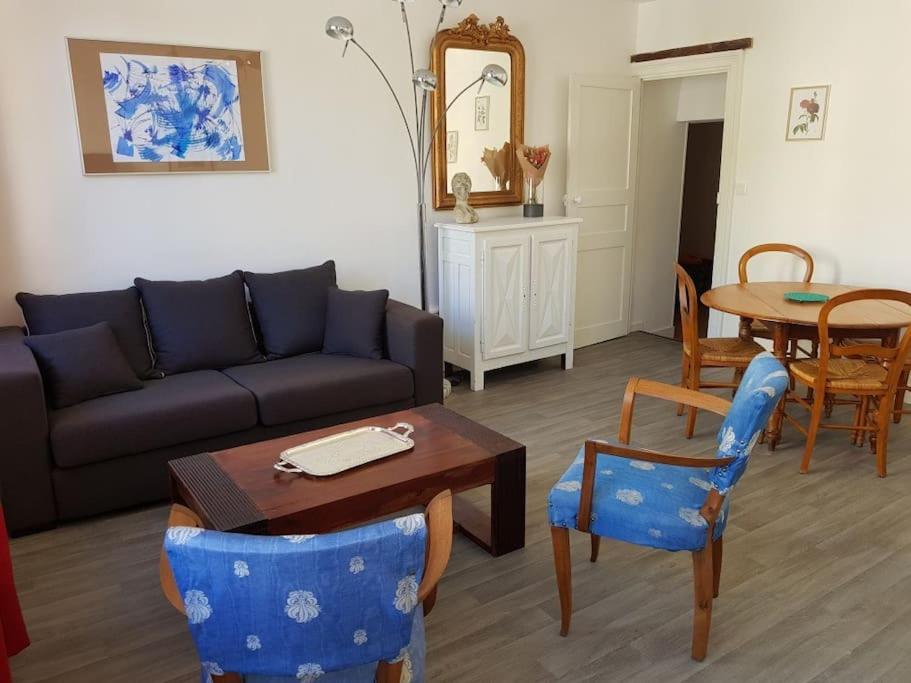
(339, 606)
(758, 329)
(866, 371)
(715, 352)
(660, 500)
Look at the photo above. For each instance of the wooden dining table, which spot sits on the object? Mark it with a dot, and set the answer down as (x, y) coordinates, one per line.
(787, 320)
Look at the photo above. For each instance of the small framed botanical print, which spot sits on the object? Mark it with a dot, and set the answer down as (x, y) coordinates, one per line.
(808, 112)
(482, 113)
(452, 147)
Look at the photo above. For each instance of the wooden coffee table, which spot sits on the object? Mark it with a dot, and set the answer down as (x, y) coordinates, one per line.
(238, 489)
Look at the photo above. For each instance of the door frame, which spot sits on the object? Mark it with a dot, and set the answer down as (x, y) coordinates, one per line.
(731, 64)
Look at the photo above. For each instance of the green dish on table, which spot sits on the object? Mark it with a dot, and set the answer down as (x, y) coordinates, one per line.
(806, 297)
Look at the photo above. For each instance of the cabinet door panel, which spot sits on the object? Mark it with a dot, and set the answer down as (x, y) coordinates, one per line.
(551, 288)
(504, 326)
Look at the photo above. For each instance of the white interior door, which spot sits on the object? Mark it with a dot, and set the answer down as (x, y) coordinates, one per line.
(504, 324)
(551, 288)
(601, 188)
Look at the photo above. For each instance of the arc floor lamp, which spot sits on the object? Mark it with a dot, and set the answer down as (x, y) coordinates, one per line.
(423, 82)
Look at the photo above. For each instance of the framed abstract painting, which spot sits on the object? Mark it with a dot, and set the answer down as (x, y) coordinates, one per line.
(149, 108)
(808, 112)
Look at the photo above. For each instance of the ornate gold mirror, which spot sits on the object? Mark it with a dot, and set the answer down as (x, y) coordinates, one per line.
(479, 132)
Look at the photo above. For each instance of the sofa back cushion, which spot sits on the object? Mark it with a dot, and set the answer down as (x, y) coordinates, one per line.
(81, 364)
(48, 313)
(290, 308)
(356, 323)
(199, 324)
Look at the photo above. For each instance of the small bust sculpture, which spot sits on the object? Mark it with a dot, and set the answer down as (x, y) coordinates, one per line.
(461, 188)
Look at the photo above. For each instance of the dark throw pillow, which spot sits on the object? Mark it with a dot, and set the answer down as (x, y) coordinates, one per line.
(49, 313)
(355, 323)
(290, 308)
(199, 324)
(81, 364)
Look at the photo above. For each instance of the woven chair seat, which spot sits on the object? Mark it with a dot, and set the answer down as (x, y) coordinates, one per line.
(728, 350)
(845, 374)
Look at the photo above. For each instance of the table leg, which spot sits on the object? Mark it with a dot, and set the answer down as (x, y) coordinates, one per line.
(746, 328)
(781, 334)
(504, 530)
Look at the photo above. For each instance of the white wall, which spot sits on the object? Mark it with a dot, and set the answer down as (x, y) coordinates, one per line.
(342, 184)
(702, 98)
(844, 199)
(662, 141)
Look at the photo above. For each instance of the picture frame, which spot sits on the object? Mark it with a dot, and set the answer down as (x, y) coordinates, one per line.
(158, 108)
(482, 113)
(808, 112)
(452, 147)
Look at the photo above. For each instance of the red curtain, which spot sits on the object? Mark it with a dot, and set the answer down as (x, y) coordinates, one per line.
(12, 627)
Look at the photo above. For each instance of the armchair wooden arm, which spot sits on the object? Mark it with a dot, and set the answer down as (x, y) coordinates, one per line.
(439, 547)
(179, 516)
(667, 392)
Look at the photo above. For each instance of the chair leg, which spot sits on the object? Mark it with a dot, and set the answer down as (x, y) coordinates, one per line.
(738, 375)
(596, 547)
(717, 554)
(563, 569)
(882, 436)
(819, 404)
(227, 678)
(899, 405)
(684, 381)
(695, 375)
(702, 611)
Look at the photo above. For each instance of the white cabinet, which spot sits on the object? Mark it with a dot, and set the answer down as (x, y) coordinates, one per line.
(507, 292)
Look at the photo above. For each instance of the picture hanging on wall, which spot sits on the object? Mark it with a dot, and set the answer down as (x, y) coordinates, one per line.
(482, 113)
(150, 108)
(452, 147)
(808, 112)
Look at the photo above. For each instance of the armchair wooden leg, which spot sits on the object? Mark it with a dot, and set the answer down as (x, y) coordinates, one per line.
(389, 673)
(717, 554)
(563, 569)
(596, 547)
(227, 678)
(702, 609)
(819, 405)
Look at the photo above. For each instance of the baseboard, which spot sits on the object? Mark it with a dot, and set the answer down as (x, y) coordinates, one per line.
(637, 326)
(663, 332)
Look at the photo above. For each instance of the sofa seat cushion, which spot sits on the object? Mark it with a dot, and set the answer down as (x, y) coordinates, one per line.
(316, 384)
(165, 412)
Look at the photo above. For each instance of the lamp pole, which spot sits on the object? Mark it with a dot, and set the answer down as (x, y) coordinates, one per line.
(425, 81)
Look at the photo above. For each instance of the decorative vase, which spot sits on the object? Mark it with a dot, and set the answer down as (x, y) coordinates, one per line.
(532, 207)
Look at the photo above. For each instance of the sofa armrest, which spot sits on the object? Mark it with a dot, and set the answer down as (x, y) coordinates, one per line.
(415, 338)
(25, 468)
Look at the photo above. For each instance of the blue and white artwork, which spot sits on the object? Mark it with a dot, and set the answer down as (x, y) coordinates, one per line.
(172, 109)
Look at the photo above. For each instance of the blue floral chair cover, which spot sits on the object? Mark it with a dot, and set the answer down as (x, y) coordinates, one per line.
(302, 608)
(658, 505)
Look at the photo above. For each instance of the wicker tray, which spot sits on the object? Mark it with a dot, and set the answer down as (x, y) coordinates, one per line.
(346, 450)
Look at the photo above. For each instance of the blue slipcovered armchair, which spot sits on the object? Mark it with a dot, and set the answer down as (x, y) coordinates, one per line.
(341, 607)
(661, 500)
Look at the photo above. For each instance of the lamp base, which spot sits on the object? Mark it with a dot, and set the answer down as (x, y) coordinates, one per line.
(533, 210)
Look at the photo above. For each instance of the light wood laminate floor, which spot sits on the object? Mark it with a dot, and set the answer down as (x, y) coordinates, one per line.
(816, 583)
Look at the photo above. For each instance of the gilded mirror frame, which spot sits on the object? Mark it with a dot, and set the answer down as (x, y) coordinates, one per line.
(470, 34)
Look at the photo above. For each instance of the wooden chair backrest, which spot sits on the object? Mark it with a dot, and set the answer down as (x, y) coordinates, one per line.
(894, 359)
(439, 547)
(689, 310)
(776, 247)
